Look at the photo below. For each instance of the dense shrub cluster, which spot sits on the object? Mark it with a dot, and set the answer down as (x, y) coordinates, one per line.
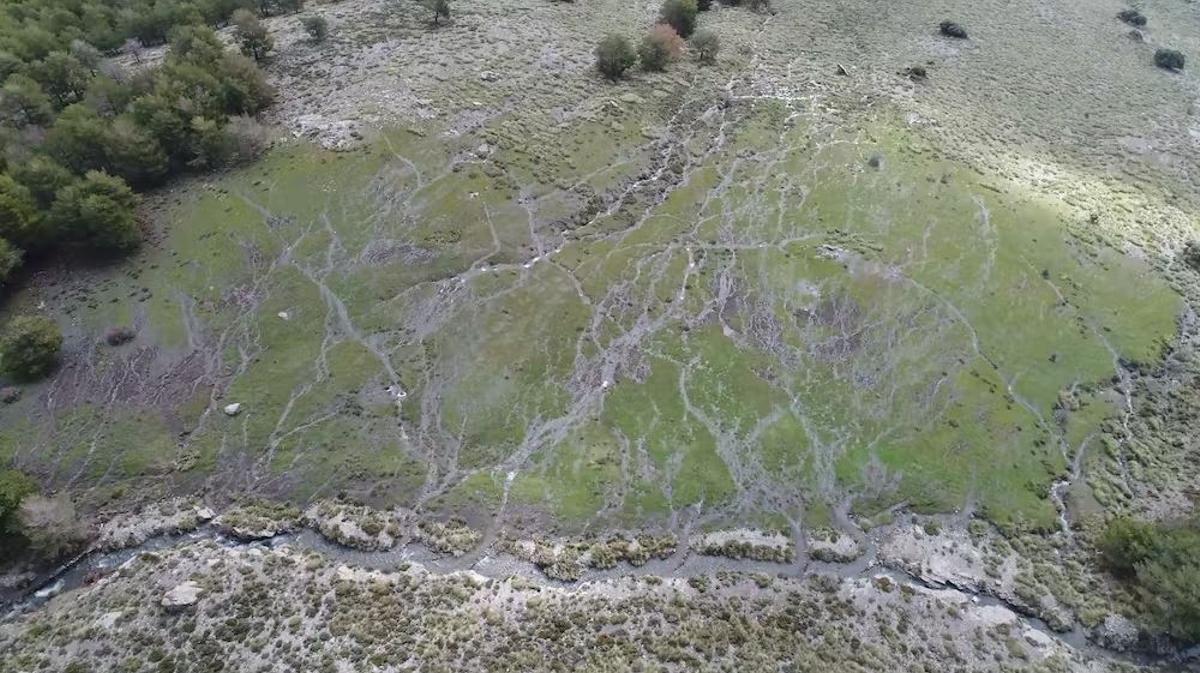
(29, 347)
(664, 42)
(76, 132)
(1169, 59)
(1162, 563)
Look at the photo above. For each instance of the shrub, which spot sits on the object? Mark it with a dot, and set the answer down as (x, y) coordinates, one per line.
(97, 212)
(1169, 59)
(614, 56)
(252, 36)
(1162, 561)
(439, 9)
(952, 29)
(29, 347)
(50, 526)
(316, 27)
(116, 336)
(660, 45)
(680, 15)
(1132, 17)
(706, 45)
(1191, 255)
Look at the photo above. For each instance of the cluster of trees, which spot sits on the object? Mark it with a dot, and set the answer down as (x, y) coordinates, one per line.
(1161, 563)
(665, 41)
(78, 135)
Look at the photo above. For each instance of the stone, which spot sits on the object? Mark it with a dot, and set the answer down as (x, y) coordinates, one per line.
(205, 514)
(233, 409)
(182, 597)
(1117, 633)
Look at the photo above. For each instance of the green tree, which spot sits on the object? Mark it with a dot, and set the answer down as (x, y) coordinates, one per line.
(252, 35)
(29, 347)
(98, 212)
(62, 76)
(22, 102)
(43, 177)
(133, 153)
(77, 138)
(706, 44)
(680, 15)
(20, 221)
(614, 56)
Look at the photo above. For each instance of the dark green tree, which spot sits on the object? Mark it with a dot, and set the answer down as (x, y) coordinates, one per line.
(10, 260)
(22, 102)
(98, 213)
(680, 15)
(20, 221)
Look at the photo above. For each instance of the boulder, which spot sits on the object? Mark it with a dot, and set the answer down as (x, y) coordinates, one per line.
(182, 597)
(233, 409)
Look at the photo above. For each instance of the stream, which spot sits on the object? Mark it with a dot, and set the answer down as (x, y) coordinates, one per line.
(93, 564)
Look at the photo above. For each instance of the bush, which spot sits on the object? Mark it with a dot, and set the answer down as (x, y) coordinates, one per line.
(29, 347)
(439, 9)
(706, 45)
(614, 56)
(98, 212)
(951, 29)
(680, 15)
(1132, 17)
(117, 336)
(1169, 59)
(1191, 255)
(50, 526)
(660, 45)
(1162, 561)
(316, 27)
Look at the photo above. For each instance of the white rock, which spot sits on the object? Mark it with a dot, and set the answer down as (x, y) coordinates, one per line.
(233, 409)
(183, 596)
(205, 514)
